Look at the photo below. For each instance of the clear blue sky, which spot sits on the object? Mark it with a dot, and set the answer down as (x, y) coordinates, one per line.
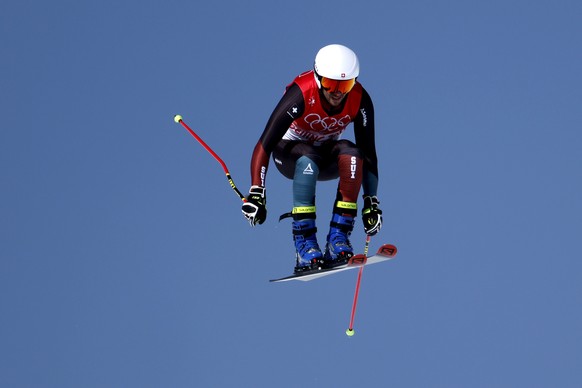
(125, 260)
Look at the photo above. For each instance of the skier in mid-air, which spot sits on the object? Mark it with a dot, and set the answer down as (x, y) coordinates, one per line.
(303, 134)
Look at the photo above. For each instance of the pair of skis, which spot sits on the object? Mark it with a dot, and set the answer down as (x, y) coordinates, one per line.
(386, 251)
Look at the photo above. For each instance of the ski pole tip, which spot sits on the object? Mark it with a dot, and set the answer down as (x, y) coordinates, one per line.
(350, 332)
(177, 118)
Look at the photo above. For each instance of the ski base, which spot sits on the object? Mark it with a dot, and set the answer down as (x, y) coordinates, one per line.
(385, 252)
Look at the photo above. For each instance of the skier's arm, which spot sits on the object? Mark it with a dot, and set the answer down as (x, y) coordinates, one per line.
(276, 127)
(364, 127)
(365, 139)
(255, 207)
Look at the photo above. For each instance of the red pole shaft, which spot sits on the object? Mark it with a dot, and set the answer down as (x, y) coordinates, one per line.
(357, 292)
(206, 146)
(214, 154)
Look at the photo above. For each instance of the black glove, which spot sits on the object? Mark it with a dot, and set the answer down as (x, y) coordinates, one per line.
(371, 215)
(255, 208)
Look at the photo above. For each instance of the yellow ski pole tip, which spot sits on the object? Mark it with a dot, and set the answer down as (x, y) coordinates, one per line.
(177, 118)
(350, 332)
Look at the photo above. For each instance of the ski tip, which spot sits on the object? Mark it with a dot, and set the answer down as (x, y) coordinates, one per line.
(357, 260)
(388, 250)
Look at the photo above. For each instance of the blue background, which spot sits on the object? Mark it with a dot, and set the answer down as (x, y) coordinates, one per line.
(125, 260)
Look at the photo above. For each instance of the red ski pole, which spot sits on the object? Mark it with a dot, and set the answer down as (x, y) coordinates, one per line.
(350, 331)
(178, 119)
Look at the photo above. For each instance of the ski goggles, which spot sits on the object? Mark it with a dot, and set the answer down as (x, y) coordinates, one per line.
(335, 85)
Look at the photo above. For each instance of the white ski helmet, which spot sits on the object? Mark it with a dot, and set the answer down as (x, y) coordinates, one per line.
(336, 62)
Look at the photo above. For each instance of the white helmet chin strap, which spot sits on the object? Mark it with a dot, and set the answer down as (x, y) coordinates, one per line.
(316, 76)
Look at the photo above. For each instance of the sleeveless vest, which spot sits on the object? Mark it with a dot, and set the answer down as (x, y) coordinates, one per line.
(315, 125)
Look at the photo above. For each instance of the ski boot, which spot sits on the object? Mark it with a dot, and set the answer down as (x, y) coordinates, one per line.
(338, 249)
(308, 254)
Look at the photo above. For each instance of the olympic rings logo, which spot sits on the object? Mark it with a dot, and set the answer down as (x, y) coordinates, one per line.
(317, 123)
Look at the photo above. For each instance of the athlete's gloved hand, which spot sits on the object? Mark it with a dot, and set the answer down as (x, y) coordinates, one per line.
(371, 215)
(255, 208)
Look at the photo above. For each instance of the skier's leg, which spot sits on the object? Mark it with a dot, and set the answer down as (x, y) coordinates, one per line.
(350, 163)
(304, 230)
(338, 248)
(305, 170)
